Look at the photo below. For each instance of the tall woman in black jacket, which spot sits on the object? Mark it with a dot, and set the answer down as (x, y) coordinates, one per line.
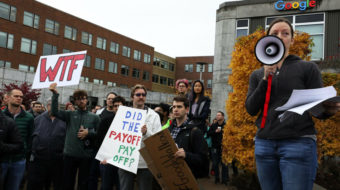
(285, 151)
(199, 105)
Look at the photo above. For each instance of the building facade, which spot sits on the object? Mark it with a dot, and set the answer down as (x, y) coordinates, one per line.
(163, 73)
(30, 29)
(321, 19)
(194, 68)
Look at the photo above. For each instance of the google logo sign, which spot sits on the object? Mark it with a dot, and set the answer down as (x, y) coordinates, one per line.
(302, 5)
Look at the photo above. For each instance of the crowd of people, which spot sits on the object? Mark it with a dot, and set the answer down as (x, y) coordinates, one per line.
(47, 147)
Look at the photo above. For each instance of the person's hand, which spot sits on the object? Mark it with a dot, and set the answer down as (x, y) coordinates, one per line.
(144, 129)
(104, 162)
(82, 133)
(180, 153)
(331, 107)
(53, 88)
(269, 69)
(218, 130)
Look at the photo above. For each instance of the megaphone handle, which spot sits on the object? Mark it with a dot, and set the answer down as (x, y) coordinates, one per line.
(265, 108)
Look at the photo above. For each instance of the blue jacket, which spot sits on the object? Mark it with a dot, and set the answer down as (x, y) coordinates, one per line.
(48, 137)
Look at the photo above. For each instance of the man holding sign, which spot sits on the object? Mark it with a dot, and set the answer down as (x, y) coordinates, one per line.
(152, 126)
(80, 134)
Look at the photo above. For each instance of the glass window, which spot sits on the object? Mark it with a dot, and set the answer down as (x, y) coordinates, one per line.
(6, 40)
(155, 78)
(70, 33)
(271, 19)
(170, 82)
(31, 20)
(135, 73)
(49, 49)
(99, 64)
(87, 62)
(28, 46)
(85, 79)
(209, 85)
(242, 27)
(97, 81)
(52, 27)
(111, 83)
(124, 70)
(188, 67)
(101, 43)
(313, 24)
(5, 64)
(137, 55)
(113, 67)
(126, 51)
(146, 75)
(147, 58)
(156, 61)
(164, 64)
(66, 51)
(210, 68)
(114, 47)
(171, 66)
(8, 12)
(26, 68)
(200, 67)
(86, 38)
(162, 80)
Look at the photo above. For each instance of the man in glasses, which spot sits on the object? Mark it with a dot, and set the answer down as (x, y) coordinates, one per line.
(13, 166)
(152, 126)
(81, 126)
(109, 173)
(108, 109)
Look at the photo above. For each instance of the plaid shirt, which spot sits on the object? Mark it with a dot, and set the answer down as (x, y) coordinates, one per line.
(176, 129)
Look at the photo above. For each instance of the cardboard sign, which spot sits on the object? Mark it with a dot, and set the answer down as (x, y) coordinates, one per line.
(123, 139)
(171, 173)
(64, 69)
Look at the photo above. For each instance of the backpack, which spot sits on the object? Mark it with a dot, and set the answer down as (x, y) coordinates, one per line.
(202, 171)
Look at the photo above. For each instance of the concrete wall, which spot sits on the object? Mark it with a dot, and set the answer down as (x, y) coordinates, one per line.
(8, 75)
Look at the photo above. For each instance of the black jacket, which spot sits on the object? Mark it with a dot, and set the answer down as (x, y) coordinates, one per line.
(216, 138)
(48, 137)
(103, 127)
(10, 138)
(192, 145)
(294, 74)
(201, 113)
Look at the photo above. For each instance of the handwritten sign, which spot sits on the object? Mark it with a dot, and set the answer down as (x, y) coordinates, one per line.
(123, 139)
(64, 69)
(171, 173)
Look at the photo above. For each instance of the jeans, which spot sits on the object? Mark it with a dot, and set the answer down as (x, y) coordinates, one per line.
(12, 173)
(94, 174)
(288, 164)
(71, 165)
(109, 174)
(144, 179)
(216, 161)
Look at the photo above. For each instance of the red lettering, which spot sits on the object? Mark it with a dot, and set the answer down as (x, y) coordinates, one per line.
(312, 3)
(119, 136)
(139, 137)
(73, 65)
(66, 59)
(288, 6)
(129, 139)
(51, 73)
(124, 136)
(112, 133)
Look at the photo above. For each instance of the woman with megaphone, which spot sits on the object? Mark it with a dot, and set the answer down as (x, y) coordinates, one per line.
(285, 151)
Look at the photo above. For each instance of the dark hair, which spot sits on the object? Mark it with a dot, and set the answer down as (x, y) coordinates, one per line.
(165, 107)
(79, 93)
(36, 102)
(111, 93)
(136, 87)
(193, 94)
(221, 113)
(182, 99)
(118, 99)
(281, 19)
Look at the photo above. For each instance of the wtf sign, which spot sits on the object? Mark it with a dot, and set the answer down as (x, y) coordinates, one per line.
(64, 69)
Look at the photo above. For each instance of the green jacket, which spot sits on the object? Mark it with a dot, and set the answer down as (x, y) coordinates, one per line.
(74, 119)
(25, 124)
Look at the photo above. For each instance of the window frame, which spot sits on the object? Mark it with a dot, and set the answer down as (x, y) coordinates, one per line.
(55, 29)
(9, 40)
(35, 19)
(32, 43)
(99, 65)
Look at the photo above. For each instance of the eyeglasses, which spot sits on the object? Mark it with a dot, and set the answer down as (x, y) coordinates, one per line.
(116, 106)
(182, 86)
(140, 94)
(81, 98)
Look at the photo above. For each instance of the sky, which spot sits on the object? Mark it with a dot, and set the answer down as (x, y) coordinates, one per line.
(173, 27)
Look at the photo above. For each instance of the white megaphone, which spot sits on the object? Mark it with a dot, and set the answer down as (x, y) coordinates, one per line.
(269, 50)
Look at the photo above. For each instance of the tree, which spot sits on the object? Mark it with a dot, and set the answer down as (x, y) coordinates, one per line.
(29, 94)
(240, 130)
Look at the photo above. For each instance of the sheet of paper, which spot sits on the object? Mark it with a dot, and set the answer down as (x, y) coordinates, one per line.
(312, 99)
